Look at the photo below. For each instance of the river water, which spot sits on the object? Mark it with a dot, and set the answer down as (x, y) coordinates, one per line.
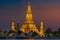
(29, 39)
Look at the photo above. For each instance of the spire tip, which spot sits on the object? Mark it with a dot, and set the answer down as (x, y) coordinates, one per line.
(28, 2)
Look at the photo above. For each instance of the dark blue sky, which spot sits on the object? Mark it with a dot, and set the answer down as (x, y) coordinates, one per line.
(49, 10)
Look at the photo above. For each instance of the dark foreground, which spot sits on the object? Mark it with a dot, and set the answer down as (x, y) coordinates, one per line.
(29, 37)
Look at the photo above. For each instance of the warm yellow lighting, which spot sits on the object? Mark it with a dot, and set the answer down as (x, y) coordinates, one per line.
(42, 29)
(29, 7)
(13, 26)
(29, 24)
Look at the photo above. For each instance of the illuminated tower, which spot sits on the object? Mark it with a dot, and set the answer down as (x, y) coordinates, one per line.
(42, 29)
(13, 29)
(29, 25)
(13, 26)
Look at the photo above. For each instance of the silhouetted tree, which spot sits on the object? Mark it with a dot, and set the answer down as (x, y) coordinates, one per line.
(48, 32)
(55, 33)
(19, 32)
(5, 33)
(11, 31)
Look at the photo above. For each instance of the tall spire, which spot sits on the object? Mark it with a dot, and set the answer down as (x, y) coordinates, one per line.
(29, 24)
(29, 12)
(29, 7)
(13, 26)
(42, 29)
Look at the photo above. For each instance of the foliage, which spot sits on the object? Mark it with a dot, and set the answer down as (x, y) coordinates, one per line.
(48, 32)
(19, 32)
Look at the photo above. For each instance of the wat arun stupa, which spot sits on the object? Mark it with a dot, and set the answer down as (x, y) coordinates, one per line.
(29, 24)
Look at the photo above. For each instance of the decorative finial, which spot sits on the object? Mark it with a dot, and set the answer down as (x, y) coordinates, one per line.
(28, 2)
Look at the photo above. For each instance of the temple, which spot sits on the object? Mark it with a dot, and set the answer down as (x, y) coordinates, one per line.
(13, 26)
(29, 24)
(42, 29)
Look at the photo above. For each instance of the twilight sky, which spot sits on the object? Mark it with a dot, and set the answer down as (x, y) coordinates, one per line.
(48, 10)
